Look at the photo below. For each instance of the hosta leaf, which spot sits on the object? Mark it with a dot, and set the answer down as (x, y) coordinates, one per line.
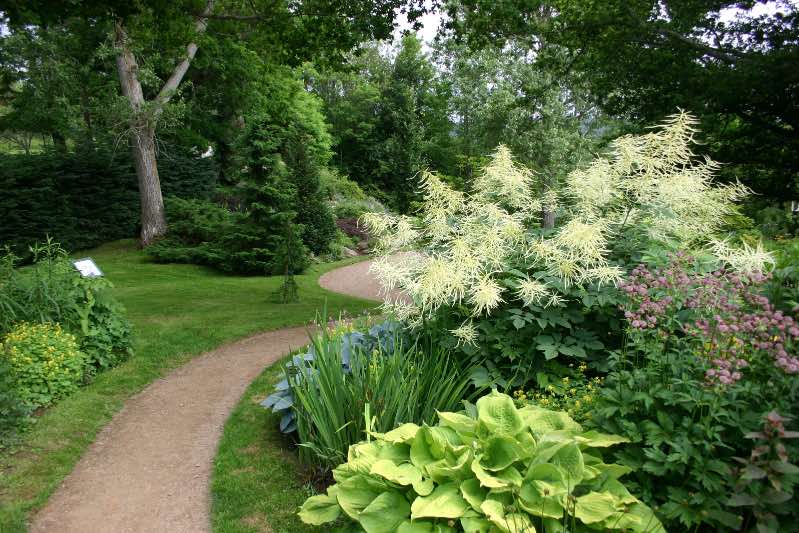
(320, 509)
(403, 434)
(570, 460)
(416, 526)
(459, 422)
(355, 494)
(444, 502)
(498, 414)
(594, 439)
(473, 493)
(508, 523)
(594, 507)
(424, 487)
(403, 474)
(385, 513)
(472, 524)
(543, 421)
(455, 467)
(510, 477)
(499, 453)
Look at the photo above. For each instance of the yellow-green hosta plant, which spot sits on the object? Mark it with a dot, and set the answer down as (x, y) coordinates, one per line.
(490, 468)
(486, 263)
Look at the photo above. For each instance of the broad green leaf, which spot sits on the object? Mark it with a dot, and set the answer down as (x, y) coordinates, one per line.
(594, 507)
(459, 422)
(444, 502)
(424, 487)
(636, 518)
(404, 474)
(320, 509)
(505, 479)
(570, 460)
(615, 488)
(385, 513)
(594, 439)
(420, 450)
(554, 525)
(355, 494)
(543, 421)
(472, 524)
(416, 526)
(455, 467)
(542, 499)
(473, 493)
(508, 523)
(499, 453)
(498, 414)
(403, 434)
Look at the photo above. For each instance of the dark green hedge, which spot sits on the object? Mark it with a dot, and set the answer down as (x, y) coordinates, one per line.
(86, 198)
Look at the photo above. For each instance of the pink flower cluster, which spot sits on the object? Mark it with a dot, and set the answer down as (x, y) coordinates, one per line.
(722, 311)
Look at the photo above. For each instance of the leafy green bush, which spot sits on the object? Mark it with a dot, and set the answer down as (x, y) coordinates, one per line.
(527, 297)
(239, 242)
(492, 467)
(88, 197)
(766, 479)
(346, 198)
(13, 410)
(45, 362)
(706, 358)
(395, 380)
(51, 290)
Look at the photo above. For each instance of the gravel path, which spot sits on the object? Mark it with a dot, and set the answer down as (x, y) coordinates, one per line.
(149, 469)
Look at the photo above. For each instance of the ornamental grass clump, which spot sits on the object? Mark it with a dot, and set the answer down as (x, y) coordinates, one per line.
(492, 467)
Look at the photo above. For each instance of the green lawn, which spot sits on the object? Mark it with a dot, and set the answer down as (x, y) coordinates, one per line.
(256, 486)
(177, 311)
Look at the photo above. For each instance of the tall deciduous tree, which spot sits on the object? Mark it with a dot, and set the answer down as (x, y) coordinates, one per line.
(291, 31)
(732, 63)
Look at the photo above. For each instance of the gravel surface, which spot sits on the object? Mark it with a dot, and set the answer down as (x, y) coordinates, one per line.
(149, 469)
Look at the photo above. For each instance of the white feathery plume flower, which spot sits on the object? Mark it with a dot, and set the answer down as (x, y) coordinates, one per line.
(466, 334)
(584, 241)
(603, 275)
(554, 300)
(746, 259)
(532, 292)
(502, 180)
(485, 296)
(377, 224)
(404, 234)
(651, 184)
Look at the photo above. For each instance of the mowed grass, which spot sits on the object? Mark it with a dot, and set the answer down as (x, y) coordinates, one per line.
(257, 480)
(177, 311)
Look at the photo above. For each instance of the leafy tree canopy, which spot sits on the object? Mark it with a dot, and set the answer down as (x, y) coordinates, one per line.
(733, 63)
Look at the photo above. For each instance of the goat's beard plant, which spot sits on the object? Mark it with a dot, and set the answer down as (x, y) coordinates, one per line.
(508, 289)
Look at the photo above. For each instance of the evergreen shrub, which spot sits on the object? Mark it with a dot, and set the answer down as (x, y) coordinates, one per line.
(86, 198)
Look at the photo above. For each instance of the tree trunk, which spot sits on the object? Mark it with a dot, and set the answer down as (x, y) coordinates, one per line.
(153, 218)
(59, 141)
(142, 143)
(548, 219)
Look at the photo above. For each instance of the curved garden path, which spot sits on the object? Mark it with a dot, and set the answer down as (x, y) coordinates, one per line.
(150, 468)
